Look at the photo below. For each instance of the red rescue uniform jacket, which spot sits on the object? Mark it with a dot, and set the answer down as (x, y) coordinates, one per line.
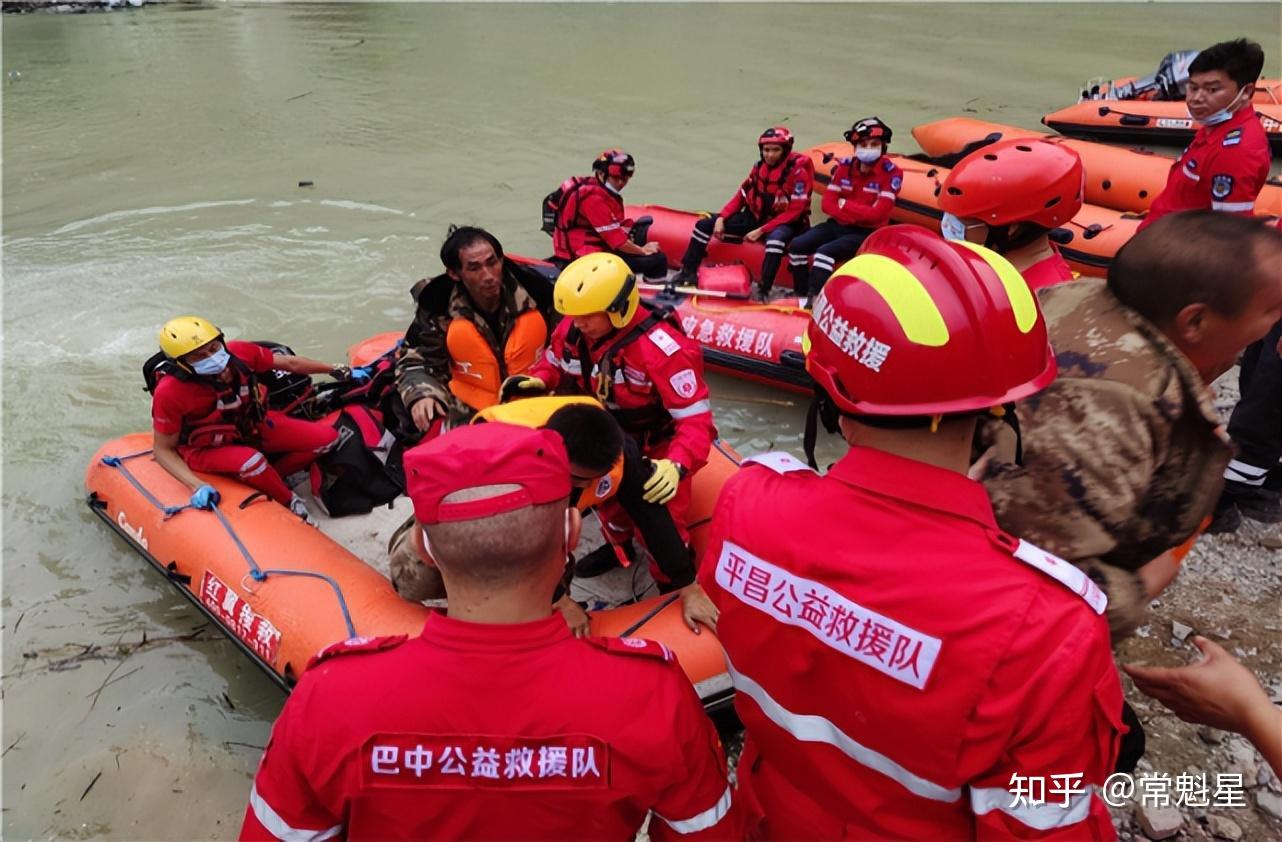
(489, 732)
(780, 195)
(649, 374)
(208, 415)
(590, 219)
(899, 662)
(863, 199)
(1223, 169)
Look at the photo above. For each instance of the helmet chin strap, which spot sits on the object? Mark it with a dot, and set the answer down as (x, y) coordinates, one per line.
(821, 409)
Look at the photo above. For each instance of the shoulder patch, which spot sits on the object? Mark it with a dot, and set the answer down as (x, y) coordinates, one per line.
(887, 164)
(635, 646)
(1068, 575)
(1221, 186)
(778, 461)
(664, 341)
(357, 645)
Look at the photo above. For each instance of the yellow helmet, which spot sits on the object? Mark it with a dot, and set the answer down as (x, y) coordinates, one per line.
(185, 334)
(598, 283)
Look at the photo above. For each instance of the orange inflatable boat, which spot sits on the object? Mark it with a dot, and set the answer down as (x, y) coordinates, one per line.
(1118, 178)
(1088, 242)
(1140, 121)
(282, 590)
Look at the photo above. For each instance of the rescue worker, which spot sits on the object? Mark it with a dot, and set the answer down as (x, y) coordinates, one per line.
(1124, 454)
(1008, 196)
(590, 218)
(603, 464)
(642, 366)
(474, 325)
(772, 203)
(494, 723)
(209, 413)
(858, 200)
(1226, 165)
(901, 663)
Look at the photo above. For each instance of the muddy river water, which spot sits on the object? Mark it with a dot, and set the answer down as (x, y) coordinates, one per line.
(151, 163)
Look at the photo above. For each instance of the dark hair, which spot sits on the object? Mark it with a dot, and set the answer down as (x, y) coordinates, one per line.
(458, 238)
(1241, 60)
(593, 439)
(1197, 257)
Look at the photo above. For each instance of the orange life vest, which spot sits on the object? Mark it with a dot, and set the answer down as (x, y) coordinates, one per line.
(475, 372)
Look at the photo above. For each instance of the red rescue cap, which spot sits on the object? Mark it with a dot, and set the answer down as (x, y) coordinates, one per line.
(486, 454)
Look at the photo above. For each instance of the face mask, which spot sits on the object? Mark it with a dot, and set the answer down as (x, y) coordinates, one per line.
(212, 364)
(867, 156)
(1222, 115)
(952, 228)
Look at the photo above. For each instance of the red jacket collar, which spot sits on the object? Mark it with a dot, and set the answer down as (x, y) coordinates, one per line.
(915, 483)
(449, 633)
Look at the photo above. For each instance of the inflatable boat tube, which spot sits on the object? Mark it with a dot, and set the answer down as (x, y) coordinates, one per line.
(282, 590)
(1146, 122)
(1118, 178)
(671, 230)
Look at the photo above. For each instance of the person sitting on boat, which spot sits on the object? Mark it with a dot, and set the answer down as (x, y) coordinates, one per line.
(494, 722)
(589, 218)
(641, 365)
(209, 413)
(480, 321)
(1226, 165)
(772, 203)
(858, 200)
(900, 661)
(604, 464)
(1008, 196)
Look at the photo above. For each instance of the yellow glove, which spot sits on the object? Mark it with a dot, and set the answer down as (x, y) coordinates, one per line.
(521, 386)
(662, 484)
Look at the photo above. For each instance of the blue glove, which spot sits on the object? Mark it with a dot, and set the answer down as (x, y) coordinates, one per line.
(205, 497)
(361, 374)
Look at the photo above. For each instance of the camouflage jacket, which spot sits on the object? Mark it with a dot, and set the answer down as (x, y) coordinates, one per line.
(1124, 453)
(423, 369)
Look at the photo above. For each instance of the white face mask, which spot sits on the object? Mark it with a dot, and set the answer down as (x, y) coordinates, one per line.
(952, 227)
(212, 364)
(1224, 114)
(867, 156)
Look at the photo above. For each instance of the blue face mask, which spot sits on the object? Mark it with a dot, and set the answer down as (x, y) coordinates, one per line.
(867, 156)
(1221, 116)
(212, 364)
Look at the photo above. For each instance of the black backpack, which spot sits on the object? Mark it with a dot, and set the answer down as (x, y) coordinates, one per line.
(364, 469)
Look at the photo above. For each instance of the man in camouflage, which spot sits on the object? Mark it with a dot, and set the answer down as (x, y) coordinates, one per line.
(1124, 454)
(479, 286)
(491, 294)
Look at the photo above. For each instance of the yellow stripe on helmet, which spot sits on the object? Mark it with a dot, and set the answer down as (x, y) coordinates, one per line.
(907, 298)
(1021, 297)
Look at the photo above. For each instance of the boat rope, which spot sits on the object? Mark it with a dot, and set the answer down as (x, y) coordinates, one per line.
(256, 573)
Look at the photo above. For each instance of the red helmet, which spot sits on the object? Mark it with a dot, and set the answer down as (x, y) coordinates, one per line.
(869, 127)
(777, 135)
(919, 325)
(1022, 180)
(615, 163)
